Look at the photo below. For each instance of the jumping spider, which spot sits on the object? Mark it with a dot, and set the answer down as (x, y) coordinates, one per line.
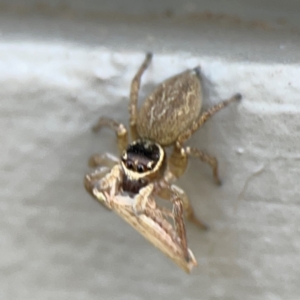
(129, 185)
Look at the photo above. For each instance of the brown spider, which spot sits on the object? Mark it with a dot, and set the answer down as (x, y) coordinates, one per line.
(129, 185)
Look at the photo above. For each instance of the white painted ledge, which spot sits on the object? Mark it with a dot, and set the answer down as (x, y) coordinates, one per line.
(59, 73)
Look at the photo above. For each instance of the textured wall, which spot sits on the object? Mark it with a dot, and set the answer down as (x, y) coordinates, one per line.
(58, 74)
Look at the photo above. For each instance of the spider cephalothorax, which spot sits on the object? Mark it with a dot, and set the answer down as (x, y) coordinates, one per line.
(168, 118)
(142, 162)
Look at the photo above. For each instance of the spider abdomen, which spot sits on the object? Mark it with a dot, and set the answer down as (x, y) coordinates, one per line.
(171, 108)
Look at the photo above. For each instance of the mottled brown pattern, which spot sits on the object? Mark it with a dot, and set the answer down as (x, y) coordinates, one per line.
(170, 109)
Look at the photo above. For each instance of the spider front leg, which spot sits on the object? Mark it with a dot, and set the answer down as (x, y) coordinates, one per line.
(91, 180)
(170, 192)
(102, 181)
(142, 199)
(120, 130)
(134, 93)
(103, 160)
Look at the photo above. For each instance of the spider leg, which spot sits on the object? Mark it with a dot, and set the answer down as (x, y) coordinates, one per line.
(134, 93)
(103, 181)
(120, 129)
(142, 198)
(179, 159)
(100, 160)
(183, 137)
(170, 192)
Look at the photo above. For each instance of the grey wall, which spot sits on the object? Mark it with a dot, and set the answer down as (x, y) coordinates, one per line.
(62, 66)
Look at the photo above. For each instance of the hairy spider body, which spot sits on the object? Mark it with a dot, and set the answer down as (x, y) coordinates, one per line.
(180, 100)
(129, 185)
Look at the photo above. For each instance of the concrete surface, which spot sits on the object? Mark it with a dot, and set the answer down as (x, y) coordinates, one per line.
(60, 70)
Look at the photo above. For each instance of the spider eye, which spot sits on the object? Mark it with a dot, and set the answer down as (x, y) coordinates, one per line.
(129, 165)
(140, 168)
